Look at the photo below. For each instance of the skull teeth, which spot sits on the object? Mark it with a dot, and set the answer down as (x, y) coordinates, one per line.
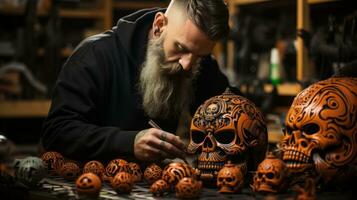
(296, 160)
(210, 165)
(295, 157)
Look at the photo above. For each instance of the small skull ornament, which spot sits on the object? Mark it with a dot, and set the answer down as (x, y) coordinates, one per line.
(174, 172)
(53, 161)
(159, 188)
(230, 178)
(271, 176)
(123, 182)
(95, 167)
(115, 166)
(88, 184)
(188, 188)
(152, 173)
(321, 129)
(70, 171)
(227, 127)
(30, 171)
(135, 172)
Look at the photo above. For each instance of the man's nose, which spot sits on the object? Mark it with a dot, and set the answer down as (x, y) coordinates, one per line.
(187, 61)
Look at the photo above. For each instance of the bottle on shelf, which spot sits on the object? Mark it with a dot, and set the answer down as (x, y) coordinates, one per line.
(275, 75)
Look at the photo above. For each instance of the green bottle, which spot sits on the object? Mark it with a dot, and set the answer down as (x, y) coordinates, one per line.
(275, 77)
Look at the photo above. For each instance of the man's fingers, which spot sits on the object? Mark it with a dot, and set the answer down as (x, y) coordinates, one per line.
(171, 138)
(151, 153)
(157, 144)
(168, 148)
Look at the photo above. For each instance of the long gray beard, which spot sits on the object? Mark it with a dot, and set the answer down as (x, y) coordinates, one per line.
(165, 87)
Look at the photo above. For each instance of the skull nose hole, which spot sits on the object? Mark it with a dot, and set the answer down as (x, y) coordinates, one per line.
(208, 143)
(292, 140)
(270, 175)
(304, 144)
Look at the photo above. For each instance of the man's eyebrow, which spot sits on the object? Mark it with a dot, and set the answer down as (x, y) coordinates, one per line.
(186, 49)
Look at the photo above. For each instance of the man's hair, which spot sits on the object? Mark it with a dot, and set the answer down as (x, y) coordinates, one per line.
(211, 16)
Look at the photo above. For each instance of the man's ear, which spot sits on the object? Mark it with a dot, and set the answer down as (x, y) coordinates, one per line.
(159, 24)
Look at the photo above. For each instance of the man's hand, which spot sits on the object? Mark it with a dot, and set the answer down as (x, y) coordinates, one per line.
(155, 144)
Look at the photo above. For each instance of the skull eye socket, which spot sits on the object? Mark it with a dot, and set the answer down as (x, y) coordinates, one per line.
(229, 179)
(260, 175)
(225, 137)
(270, 175)
(288, 130)
(310, 128)
(198, 136)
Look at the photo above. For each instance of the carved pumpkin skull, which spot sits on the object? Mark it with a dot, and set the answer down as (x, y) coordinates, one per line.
(230, 178)
(115, 166)
(271, 176)
(227, 127)
(176, 171)
(159, 188)
(95, 167)
(30, 170)
(321, 128)
(135, 171)
(188, 188)
(152, 173)
(70, 170)
(88, 184)
(123, 182)
(53, 161)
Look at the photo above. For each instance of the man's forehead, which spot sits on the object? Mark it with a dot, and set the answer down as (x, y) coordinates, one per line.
(194, 38)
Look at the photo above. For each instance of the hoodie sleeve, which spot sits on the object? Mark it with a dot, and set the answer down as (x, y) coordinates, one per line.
(72, 126)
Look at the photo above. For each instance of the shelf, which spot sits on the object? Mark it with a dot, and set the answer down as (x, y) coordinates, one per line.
(245, 2)
(66, 13)
(138, 5)
(285, 89)
(65, 52)
(320, 1)
(83, 14)
(24, 108)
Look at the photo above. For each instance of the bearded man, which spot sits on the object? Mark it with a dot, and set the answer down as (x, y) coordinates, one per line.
(154, 64)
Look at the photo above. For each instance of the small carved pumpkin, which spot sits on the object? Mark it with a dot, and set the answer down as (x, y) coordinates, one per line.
(53, 161)
(159, 188)
(95, 167)
(152, 173)
(30, 170)
(115, 166)
(88, 184)
(70, 171)
(122, 182)
(188, 188)
(174, 172)
(135, 172)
